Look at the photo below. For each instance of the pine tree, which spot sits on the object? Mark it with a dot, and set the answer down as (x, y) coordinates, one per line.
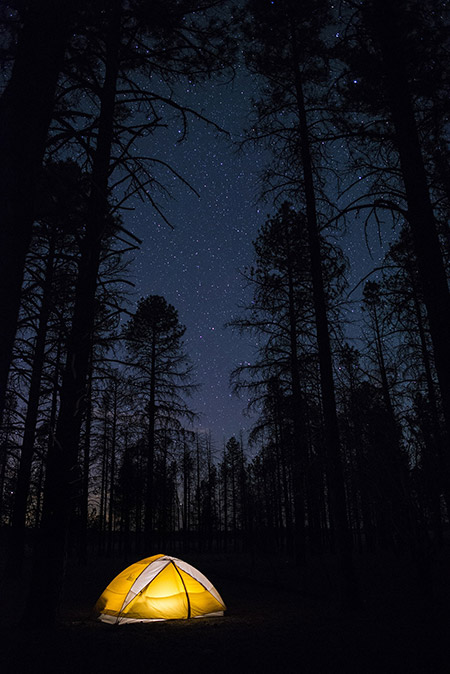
(29, 95)
(155, 347)
(287, 49)
(402, 81)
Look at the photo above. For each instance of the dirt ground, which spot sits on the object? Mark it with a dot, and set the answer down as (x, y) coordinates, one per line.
(279, 619)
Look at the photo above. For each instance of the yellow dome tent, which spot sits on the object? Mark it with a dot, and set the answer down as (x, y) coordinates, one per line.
(159, 588)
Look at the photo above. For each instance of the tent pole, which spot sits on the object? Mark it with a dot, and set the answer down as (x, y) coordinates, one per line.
(184, 586)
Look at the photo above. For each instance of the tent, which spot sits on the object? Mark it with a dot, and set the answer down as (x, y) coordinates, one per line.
(159, 588)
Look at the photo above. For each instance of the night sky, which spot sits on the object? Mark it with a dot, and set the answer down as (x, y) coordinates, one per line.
(196, 266)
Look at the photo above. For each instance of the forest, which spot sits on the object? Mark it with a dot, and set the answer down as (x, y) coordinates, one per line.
(100, 455)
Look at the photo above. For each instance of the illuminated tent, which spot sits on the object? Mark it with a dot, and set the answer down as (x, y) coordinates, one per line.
(159, 588)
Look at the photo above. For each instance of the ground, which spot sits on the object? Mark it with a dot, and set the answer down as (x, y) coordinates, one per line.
(279, 619)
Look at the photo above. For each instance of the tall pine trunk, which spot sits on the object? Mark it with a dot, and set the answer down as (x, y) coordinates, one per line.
(84, 505)
(396, 478)
(112, 488)
(148, 520)
(26, 108)
(17, 540)
(348, 583)
(299, 440)
(433, 451)
(387, 21)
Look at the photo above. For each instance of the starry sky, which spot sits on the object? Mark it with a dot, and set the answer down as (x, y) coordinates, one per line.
(197, 265)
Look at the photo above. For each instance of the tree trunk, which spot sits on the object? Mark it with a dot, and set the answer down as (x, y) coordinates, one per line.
(186, 496)
(103, 485)
(84, 506)
(198, 498)
(348, 583)
(26, 109)
(432, 456)
(299, 426)
(112, 483)
(386, 20)
(397, 478)
(225, 501)
(17, 541)
(148, 522)
(280, 441)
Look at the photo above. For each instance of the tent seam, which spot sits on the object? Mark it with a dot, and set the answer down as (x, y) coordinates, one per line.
(135, 581)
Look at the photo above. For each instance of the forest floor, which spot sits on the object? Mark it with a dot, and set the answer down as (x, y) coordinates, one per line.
(279, 619)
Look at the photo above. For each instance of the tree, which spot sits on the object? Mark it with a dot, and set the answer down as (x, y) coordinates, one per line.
(29, 95)
(233, 467)
(402, 77)
(395, 458)
(279, 314)
(154, 344)
(58, 217)
(397, 307)
(390, 35)
(287, 50)
(282, 378)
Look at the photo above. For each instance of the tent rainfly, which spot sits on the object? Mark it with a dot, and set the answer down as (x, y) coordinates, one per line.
(159, 588)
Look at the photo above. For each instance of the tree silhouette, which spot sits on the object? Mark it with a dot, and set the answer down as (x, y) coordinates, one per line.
(29, 95)
(289, 54)
(154, 343)
(400, 75)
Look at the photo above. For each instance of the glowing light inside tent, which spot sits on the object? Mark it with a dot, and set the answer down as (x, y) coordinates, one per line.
(159, 588)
